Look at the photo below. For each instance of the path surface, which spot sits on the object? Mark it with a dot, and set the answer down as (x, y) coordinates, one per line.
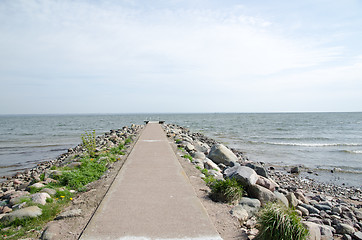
(151, 198)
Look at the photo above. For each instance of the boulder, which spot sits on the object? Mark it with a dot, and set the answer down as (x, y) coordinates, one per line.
(189, 147)
(343, 228)
(245, 175)
(210, 165)
(357, 235)
(49, 191)
(294, 170)
(221, 154)
(267, 183)
(40, 198)
(259, 169)
(251, 205)
(51, 232)
(326, 232)
(300, 196)
(33, 211)
(262, 194)
(293, 201)
(201, 147)
(37, 185)
(314, 230)
(310, 208)
(198, 155)
(281, 198)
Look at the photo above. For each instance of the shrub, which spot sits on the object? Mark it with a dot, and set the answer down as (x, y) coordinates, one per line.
(187, 156)
(89, 142)
(278, 222)
(228, 190)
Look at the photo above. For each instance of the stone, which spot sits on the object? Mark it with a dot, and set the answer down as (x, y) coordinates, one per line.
(259, 169)
(358, 213)
(40, 198)
(346, 237)
(310, 208)
(189, 147)
(198, 155)
(69, 214)
(357, 235)
(251, 205)
(49, 191)
(322, 207)
(294, 170)
(245, 175)
(267, 183)
(337, 210)
(33, 211)
(343, 228)
(221, 154)
(292, 200)
(37, 185)
(262, 194)
(281, 198)
(314, 230)
(300, 196)
(5, 209)
(304, 211)
(240, 213)
(201, 147)
(326, 232)
(210, 165)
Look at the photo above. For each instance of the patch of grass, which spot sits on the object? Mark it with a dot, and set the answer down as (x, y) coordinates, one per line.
(53, 168)
(198, 167)
(127, 141)
(178, 141)
(279, 222)
(117, 150)
(89, 171)
(228, 190)
(188, 156)
(42, 177)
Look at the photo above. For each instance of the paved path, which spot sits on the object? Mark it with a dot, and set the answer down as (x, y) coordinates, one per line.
(151, 198)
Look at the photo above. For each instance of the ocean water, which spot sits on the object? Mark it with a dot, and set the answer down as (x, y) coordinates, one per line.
(320, 141)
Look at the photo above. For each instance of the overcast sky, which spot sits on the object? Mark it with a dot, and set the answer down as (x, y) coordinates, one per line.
(180, 56)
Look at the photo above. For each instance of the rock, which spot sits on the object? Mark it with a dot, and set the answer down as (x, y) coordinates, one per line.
(259, 169)
(208, 164)
(201, 147)
(5, 209)
(245, 175)
(358, 213)
(300, 196)
(292, 200)
(69, 214)
(37, 185)
(216, 174)
(198, 155)
(294, 170)
(251, 205)
(262, 194)
(189, 147)
(304, 211)
(343, 228)
(326, 232)
(50, 191)
(337, 210)
(31, 212)
(314, 230)
(281, 198)
(322, 207)
(310, 208)
(17, 182)
(221, 154)
(240, 213)
(267, 183)
(346, 237)
(357, 235)
(40, 198)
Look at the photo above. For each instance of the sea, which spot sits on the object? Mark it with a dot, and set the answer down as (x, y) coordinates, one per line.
(321, 142)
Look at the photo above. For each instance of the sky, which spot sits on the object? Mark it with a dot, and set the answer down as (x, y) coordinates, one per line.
(178, 56)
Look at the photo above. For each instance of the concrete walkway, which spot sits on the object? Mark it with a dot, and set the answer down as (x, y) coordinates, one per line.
(151, 198)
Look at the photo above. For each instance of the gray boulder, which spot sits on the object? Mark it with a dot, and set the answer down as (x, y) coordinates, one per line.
(293, 201)
(33, 211)
(357, 235)
(69, 214)
(245, 175)
(343, 228)
(310, 208)
(262, 194)
(267, 183)
(221, 154)
(201, 147)
(281, 198)
(259, 169)
(40, 198)
(198, 155)
(251, 205)
(314, 230)
(240, 213)
(210, 165)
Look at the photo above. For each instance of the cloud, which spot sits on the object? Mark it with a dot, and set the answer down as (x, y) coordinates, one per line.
(141, 49)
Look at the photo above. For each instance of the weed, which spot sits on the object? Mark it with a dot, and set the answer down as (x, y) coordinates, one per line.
(117, 150)
(53, 168)
(127, 141)
(279, 222)
(178, 141)
(227, 190)
(198, 167)
(89, 142)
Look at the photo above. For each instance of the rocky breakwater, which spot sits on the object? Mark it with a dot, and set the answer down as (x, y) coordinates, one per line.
(23, 194)
(327, 211)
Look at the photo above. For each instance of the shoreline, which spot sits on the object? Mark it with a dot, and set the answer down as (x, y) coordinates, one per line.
(194, 143)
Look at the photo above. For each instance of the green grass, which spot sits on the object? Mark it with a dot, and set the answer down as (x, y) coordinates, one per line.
(127, 141)
(278, 222)
(178, 141)
(228, 190)
(188, 156)
(89, 142)
(117, 150)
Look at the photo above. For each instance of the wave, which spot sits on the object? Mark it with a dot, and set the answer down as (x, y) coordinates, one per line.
(352, 151)
(308, 144)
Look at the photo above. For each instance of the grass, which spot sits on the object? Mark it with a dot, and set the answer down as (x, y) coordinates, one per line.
(278, 222)
(91, 169)
(178, 141)
(89, 142)
(188, 156)
(228, 190)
